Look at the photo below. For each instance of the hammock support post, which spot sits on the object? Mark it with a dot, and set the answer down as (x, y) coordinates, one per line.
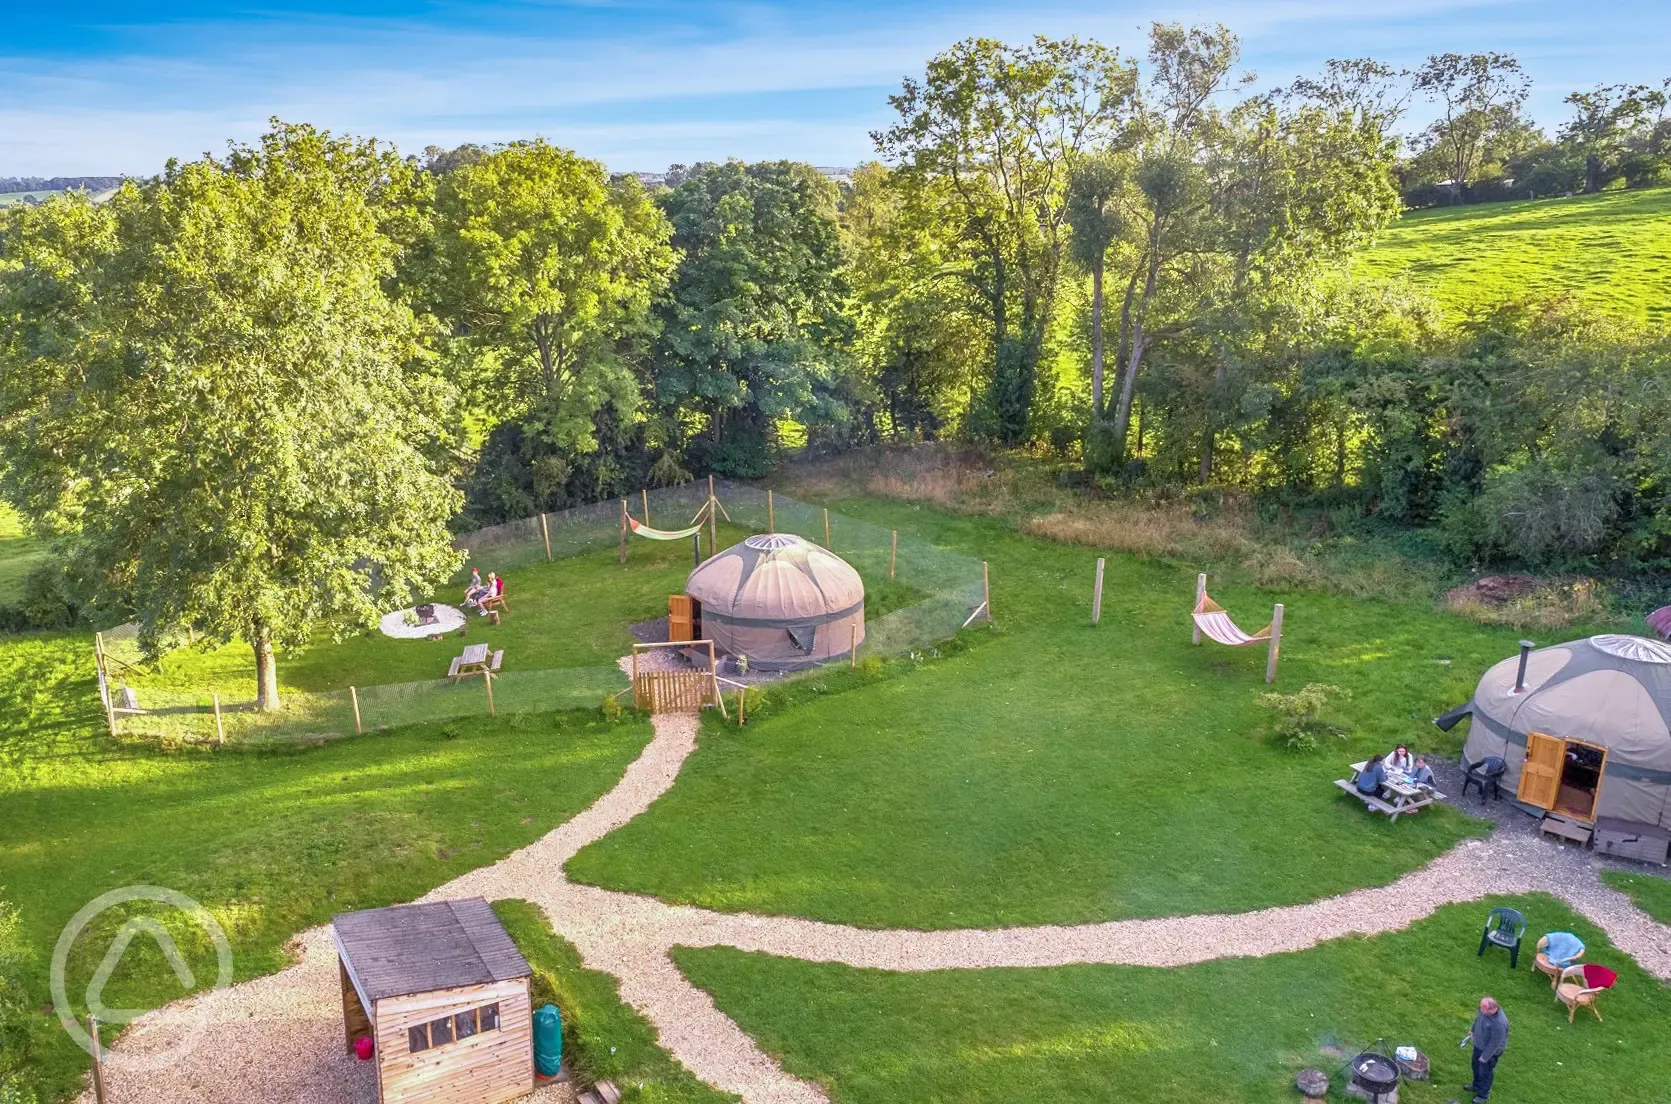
(1276, 644)
(713, 525)
(1200, 596)
(623, 530)
(1096, 594)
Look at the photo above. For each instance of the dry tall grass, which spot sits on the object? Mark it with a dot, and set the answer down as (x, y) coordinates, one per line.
(1227, 537)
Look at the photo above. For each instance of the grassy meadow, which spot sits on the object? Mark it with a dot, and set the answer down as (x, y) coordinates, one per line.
(1233, 1029)
(20, 554)
(1611, 250)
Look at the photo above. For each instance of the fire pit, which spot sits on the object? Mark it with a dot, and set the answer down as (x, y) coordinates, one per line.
(1375, 1074)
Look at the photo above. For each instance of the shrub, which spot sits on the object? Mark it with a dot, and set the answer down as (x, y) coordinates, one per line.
(612, 708)
(19, 1025)
(1299, 725)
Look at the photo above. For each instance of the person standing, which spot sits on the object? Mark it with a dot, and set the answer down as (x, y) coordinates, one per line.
(1490, 1036)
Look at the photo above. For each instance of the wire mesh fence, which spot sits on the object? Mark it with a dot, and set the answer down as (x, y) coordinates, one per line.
(917, 593)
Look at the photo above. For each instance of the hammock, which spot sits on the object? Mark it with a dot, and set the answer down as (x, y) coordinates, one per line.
(1211, 619)
(643, 530)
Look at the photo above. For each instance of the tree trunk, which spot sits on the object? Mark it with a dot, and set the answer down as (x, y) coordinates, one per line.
(266, 671)
(1096, 341)
(1208, 438)
(1592, 174)
(1139, 345)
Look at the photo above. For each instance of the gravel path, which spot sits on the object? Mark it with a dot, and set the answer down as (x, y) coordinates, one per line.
(293, 1020)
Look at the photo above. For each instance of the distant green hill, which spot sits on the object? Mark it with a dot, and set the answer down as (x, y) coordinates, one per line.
(1613, 250)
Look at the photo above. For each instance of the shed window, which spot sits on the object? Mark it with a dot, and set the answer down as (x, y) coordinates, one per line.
(464, 1024)
(417, 1038)
(441, 1031)
(490, 1017)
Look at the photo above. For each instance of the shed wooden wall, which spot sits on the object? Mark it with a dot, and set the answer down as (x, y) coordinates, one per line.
(484, 1069)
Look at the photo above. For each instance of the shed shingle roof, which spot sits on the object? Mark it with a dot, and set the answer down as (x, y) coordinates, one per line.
(406, 949)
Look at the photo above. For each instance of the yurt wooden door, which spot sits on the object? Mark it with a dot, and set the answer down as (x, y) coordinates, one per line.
(681, 619)
(1540, 776)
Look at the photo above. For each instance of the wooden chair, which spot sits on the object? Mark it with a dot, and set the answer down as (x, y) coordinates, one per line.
(1580, 986)
(1542, 965)
(494, 603)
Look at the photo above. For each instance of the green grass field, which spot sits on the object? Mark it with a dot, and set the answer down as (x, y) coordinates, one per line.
(1650, 891)
(270, 842)
(1234, 1029)
(1055, 773)
(1611, 250)
(19, 555)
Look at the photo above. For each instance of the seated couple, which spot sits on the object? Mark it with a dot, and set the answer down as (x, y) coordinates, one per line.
(478, 594)
(1375, 772)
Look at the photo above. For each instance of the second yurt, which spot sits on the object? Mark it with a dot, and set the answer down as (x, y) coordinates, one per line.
(782, 601)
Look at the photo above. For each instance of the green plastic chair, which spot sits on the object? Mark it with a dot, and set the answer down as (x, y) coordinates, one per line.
(1504, 928)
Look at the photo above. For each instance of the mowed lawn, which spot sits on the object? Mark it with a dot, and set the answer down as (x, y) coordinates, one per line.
(1234, 1029)
(269, 842)
(1611, 250)
(19, 555)
(1055, 773)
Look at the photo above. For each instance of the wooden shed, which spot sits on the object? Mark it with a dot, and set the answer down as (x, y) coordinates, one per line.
(444, 994)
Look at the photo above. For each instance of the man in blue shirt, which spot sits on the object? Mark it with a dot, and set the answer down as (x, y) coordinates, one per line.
(1490, 1036)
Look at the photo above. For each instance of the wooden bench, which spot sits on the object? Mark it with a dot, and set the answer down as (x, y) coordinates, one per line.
(452, 671)
(493, 667)
(1370, 800)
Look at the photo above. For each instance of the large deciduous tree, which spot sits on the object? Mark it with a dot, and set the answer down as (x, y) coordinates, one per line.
(210, 397)
(1478, 96)
(753, 330)
(549, 268)
(1000, 127)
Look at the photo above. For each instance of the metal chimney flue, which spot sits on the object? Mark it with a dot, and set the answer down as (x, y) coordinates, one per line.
(1526, 647)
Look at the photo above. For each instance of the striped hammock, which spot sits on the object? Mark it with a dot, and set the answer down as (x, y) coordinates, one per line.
(1211, 619)
(643, 530)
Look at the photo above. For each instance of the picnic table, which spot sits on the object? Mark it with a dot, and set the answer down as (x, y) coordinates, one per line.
(1402, 795)
(477, 659)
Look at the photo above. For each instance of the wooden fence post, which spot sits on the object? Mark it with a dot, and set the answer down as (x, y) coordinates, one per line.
(645, 491)
(893, 551)
(771, 515)
(713, 520)
(623, 530)
(1276, 643)
(853, 651)
(354, 696)
(545, 531)
(487, 676)
(742, 717)
(98, 1059)
(826, 527)
(1096, 594)
(1200, 593)
(220, 731)
(986, 590)
(109, 691)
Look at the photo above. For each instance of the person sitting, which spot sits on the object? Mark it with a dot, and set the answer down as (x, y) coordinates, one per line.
(493, 594)
(473, 593)
(1372, 777)
(1561, 948)
(1399, 761)
(1421, 774)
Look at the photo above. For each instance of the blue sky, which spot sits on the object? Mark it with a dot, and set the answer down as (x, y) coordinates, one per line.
(96, 86)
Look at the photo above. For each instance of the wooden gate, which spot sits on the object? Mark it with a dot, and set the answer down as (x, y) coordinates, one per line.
(680, 690)
(672, 691)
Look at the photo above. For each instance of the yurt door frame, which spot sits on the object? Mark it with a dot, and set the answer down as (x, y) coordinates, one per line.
(1544, 772)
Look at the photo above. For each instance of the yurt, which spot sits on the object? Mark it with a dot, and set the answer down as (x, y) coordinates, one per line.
(782, 601)
(1584, 728)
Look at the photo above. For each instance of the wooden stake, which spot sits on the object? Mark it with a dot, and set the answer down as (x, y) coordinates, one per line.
(98, 1059)
(645, 491)
(986, 591)
(713, 522)
(826, 527)
(1276, 643)
(487, 676)
(354, 696)
(771, 516)
(545, 532)
(623, 530)
(893, 551)
(1200, 593)
(713, 675)
(742, 716)
(109, 702)
(220, 732)
(853, 652)
(1096, 594)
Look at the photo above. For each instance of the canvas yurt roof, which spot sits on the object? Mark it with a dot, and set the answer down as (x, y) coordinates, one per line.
(776, 578)
(781, 601)
(1612, 691)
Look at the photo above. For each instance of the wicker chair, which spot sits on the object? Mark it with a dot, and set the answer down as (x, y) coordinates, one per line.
(1580, 985)
(1547, 968)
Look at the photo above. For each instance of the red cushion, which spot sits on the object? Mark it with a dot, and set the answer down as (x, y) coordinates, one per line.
(1598, 977)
